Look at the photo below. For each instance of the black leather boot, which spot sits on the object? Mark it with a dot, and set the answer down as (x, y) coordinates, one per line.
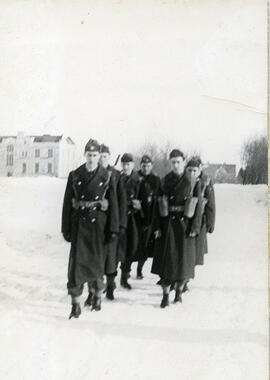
(75, 311)
(165, 301)
(139, 274)
(109, 293)
(178, 296)
(96, 303)
(89, 299)
(124, 283)
(185, 288)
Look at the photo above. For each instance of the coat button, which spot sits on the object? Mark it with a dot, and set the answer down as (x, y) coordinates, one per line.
(79, 183)
(131, 196)
(172, 197)
(97, 197)
(94, 208)
(82, 196)
(93, 220)
(173, 217)
(83, 207)
(101, 183)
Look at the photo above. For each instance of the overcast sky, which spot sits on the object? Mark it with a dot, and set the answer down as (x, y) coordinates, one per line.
(128, 72)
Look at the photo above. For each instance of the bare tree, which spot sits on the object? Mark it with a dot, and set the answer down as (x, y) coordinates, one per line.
(254, 157)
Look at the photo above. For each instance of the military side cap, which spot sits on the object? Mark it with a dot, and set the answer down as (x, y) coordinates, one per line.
(146, 159)
(195, 162)
(92, 146)
(104, 149)
(127, 157)
(176, 153)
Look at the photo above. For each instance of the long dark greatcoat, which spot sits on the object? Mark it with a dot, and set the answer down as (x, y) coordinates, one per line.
(150, 189)
(130, 243)
(88, 227)
(111, 248)
(208, 218)
(175, 254)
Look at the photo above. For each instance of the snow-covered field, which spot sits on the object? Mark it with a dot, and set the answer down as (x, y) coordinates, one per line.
(220, 332)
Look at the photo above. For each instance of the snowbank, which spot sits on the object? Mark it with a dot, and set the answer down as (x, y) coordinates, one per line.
(219, 332)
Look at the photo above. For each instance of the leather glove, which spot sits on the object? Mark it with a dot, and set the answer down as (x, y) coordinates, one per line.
(66, 237)
(210, 229)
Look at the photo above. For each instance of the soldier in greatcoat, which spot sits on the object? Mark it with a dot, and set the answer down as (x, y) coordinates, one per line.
(150, 189)
(89, 220)
(208, 208)
(180, 222)
(111, 252)
(130, 241)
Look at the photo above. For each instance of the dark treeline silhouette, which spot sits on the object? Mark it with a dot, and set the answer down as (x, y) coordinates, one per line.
(254, 157)
(159, 155)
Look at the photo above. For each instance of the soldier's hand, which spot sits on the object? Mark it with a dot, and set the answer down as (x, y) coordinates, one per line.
(136, 204)
(66, 237)
(192, 234)
(157, 234)
(104, 204)
(210, 229)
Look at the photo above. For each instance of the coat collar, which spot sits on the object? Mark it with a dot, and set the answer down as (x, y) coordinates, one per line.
(100, 173)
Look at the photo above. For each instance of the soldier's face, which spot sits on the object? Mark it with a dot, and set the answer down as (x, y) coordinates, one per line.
(92, 158)
(193, 171)
(146, 168)
(178, 165)
(104, 159)
(127, 167)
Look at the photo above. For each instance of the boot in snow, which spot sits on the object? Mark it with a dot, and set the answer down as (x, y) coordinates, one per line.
(165, 301)
(75, 311)
(89, 299)
(96, 304)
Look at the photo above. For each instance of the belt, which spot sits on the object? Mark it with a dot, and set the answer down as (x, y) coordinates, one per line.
(85, 204)
(176, 208)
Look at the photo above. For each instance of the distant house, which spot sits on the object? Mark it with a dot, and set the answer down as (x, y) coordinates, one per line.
(23, 155)
(221, 172)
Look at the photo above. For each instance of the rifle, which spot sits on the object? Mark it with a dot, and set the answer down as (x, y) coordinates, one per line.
(117, 159)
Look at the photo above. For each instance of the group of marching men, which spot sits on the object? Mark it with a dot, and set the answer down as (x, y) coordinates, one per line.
(113, 217)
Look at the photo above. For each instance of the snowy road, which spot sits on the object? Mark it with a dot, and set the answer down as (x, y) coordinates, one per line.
(218, 333)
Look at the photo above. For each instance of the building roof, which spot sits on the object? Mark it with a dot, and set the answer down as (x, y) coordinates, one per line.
(42, 138)
(47, 138)
(7, 137)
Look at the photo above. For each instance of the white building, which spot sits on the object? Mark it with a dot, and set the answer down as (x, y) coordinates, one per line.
(23, 155)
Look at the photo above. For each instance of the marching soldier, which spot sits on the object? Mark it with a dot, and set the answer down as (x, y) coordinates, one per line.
(180, 220)
(149, 190)
(130, 242)
(208, 208)
(111, 261)
(89, 211)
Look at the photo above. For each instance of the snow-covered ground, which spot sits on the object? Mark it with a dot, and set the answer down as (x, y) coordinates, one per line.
(220, 332)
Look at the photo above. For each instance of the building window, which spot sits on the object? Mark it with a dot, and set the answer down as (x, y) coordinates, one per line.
(24, 168)
(37, 153)
(49, 168)
(36, 168)
(50, 152)
(10, 148)
(10, 160)
(24, 154)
